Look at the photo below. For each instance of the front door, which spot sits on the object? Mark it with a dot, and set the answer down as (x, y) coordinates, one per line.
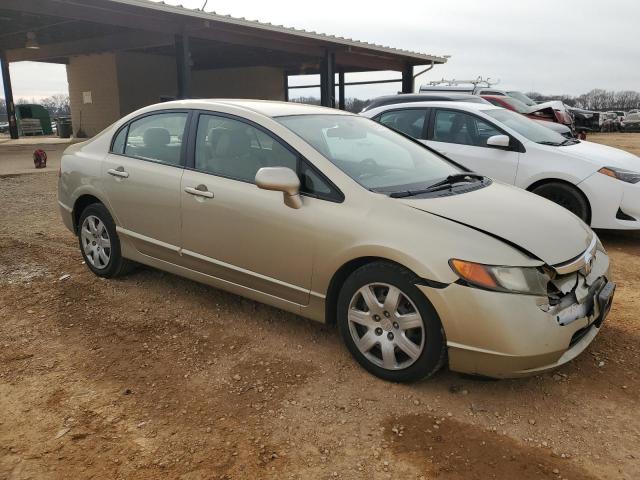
(462, 137)
(141, 179)
(235, 231)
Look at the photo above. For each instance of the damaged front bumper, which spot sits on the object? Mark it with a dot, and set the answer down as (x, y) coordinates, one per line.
(506, 335)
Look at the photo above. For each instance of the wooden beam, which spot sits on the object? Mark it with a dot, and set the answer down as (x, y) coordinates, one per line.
(108, 43)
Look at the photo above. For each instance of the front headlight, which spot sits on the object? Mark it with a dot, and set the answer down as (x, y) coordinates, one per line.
(526, 280)
(621, 174)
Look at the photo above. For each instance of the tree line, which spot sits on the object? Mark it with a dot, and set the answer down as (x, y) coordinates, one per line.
(56, 105)
(597, 99)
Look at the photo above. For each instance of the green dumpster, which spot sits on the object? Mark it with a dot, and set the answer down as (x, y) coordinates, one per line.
(63, 125)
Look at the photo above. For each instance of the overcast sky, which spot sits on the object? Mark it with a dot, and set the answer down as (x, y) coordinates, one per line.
(550, 46)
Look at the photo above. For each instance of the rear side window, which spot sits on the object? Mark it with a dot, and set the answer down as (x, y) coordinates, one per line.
(410, 121)
(119, 141)
(156, 137)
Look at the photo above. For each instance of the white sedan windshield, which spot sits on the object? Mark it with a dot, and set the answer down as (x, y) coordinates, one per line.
(373, 155)
(526, 127)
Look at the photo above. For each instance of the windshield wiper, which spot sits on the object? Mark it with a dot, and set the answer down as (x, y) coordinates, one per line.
(570, 141)
(553, 144)
(440, 185)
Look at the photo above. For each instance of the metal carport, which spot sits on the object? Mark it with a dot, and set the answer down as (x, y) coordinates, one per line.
(196, 41)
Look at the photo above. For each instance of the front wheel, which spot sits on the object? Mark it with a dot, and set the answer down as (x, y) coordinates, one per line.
(566, 196)
(388, 325)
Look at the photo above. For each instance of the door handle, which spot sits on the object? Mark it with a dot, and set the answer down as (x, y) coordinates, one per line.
(199, 191)
(118, 172)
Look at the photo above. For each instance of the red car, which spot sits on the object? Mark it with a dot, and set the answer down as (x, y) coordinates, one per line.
(555, 119)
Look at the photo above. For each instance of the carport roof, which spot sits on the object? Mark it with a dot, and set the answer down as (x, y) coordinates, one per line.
(71, 27)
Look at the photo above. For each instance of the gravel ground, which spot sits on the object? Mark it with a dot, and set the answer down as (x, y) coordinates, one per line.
(154, 376)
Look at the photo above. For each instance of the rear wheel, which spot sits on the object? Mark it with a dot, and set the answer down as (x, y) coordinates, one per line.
(99, 242)
(566, 196)
(388, 325)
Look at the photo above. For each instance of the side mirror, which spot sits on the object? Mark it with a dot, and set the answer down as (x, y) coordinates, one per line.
(500, 141)
(281, 179)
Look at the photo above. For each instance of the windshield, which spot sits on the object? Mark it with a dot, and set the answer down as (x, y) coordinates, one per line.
(373, 155)
(522, 97)
(526, 127)
(517, 105)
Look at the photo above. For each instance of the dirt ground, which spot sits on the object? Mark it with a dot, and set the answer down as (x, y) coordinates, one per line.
(154, 376)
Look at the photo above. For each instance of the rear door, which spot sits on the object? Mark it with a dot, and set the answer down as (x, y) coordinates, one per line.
(462, 136)
(141, 178)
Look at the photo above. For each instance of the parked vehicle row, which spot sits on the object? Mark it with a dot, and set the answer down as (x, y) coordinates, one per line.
(418, 259)
(599, 184)
(551, 111)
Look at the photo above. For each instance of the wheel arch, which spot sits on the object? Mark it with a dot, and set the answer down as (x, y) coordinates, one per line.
(82, 202)
(573, 186)
(339, 277)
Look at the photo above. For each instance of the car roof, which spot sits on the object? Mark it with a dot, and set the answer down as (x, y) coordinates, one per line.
(268, 108)
(417, 97)
(457, 105)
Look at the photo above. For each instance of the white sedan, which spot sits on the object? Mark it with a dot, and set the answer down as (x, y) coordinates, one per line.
(599, 184)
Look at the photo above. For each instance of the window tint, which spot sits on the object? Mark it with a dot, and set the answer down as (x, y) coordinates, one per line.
(119, 141)
(237, 150)
(409, 121)
(157, 137)
(462, 128)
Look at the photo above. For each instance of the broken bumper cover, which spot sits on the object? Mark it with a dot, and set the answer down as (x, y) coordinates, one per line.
(504, 335)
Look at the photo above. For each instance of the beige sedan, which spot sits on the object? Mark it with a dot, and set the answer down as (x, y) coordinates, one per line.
(342, 220)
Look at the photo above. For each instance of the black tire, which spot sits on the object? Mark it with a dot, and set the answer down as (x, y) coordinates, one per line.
(566, 196)
(117, 264)
(434, 352)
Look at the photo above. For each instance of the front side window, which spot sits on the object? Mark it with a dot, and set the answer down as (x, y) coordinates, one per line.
(157, 137)
(462, 128)
(373, 155)
(410, 121)
(234, 149)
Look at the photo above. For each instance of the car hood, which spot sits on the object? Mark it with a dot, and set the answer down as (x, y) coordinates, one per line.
(601, 155)
(555, 104)
(535, 225)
